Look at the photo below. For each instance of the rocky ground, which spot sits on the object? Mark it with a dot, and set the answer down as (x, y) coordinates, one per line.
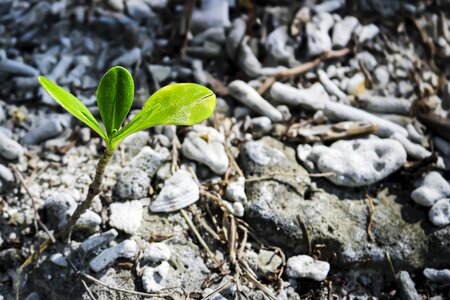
(322, 174)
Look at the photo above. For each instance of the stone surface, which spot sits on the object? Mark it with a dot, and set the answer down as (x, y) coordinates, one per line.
(132, 183)
(318, 40)
(235, 190)
(126, 216)
(304, 266)
(268, 263)
(97, 240)
(179, 191)
(336, 216)
(9, 148)
(205, 145)
(156, 252)
(127, 249)
(407, 287)
(50, 129)
(359, 162)
(154, 279)
(439, 213)
(434, 275)
(430, 189)
(342, 31)
(149, 161)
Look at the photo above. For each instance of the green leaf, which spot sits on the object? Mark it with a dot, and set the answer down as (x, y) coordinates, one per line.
(73, 105)
(114, 98)
(175, 104)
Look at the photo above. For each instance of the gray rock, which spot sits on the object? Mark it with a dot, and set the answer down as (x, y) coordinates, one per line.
(50, 129)
(381, 76)
(439, 276)
(359, 162)
(330, 86)
(329, 6)
(213, 13)
(160, 72)
(127, 249)
(129, 58)
(304, 266)
(407, 287)
(9, 66)
(59, 260)
(251, 98)
(178, 191)
(126, 216)
(235, 190)
(368, 32)
(156, 252)
(336, 111)
(58, 207)
(442, 145)
(432, 188)
(367, 58)
(211, 153)
(155, 279)
(439, 213)
(132, 184)
(9, 149)
(88, 221)
(342, 31)
(268, 263)
(235, 37)
(118, 5)
(5, 174)
(413, 150)
(149, 161)
(139, 10)
(335, 216)
(277, 44)
(318, 40)
(97, 240)
(385, 104)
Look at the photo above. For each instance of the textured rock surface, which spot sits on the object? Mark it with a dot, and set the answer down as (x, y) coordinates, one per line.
(304, 266)
(132, 184)
(126, 216)
(336, 217)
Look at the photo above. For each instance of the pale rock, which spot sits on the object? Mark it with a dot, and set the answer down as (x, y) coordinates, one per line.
(156, 252)
(235, 190)
(235, 37)
(430, 189)
(126, 216)
(304, 266)
(97, 240)
(206, 145)
(14, 67)
(342, 31)
(50, 129)
(434, 275)
(413, 150)
(356, 84)
(160, 72)
(149, 161)
(318, 41)
(139, 10)
(132, 183)
(248, 96)
(442, 145)
(154, 279)
(178, 191)
(129, 58)
(235, 208)
(9, 148)
(407, 288)
(277, 44)
(213, 13)
(88, 220)
(127, 249)
(59, 260)
(330, 86)
(329, 6)
(359, 162)
(116, 4)
(439, 213)
(381, 76)
(368, 32)
(385, 104)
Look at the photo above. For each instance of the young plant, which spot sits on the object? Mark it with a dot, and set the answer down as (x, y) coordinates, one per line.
(175, 104)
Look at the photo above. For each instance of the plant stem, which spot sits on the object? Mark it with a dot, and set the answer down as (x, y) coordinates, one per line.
(94, 190)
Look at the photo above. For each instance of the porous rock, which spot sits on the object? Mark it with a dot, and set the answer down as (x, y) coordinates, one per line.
(154, 278)
(126, 216)
(439, 213)
(132, 183)
(127, 249)
(430, 189)
(359, 162)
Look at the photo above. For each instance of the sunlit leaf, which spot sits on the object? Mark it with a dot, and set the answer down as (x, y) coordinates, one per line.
(114, 98)
(73, 105)
(175, 104)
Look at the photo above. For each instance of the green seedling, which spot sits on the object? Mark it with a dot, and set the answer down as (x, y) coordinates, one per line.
(175, 104)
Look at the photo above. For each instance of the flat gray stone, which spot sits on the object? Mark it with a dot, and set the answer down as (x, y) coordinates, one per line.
(127, 249)
(132, 184)
(9, 148)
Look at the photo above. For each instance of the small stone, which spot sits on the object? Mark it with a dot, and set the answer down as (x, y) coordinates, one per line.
(277, 44)
(304, 266)
(9, 148)
(359, 162)
(129, 58)
(381, 76)
(59, 260)
(154, 279)
(442, 145)
(178, 191)
(149, 161)
(329, 6)
(235, 190)
(368, 32)
(440, 276)
(318, 41)
(88, 220)
(268, 263)
(248, 96)
(261, 126)
(9, 66)
(369, 61)
(116, 4)
(160, 72)
(357, 85)
(439, 213)
(407, 287)
(432, 188)
(413, 150)
(127, 249)
(213, 13)
(139, 10)
(342, 31)
(58, 207)
(156, 252)
(205, 145)
(97, 240)
(132, 183)
(126, 216)
(235, 37)
(235, 208)
(5, 174)
(50, 129)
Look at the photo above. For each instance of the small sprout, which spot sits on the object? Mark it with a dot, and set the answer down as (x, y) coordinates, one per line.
(175, 104)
